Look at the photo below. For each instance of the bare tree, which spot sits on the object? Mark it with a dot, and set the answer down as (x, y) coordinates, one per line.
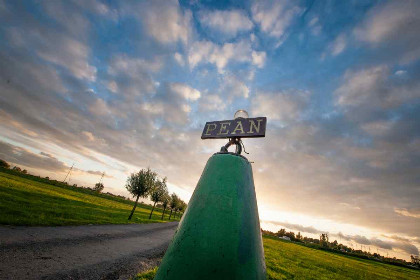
(140, 184)
(158, 193)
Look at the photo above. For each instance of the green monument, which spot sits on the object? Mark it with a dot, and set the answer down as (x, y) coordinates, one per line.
(219, 235)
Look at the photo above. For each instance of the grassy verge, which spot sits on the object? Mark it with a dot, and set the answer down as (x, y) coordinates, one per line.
(286, 260)
(28, 201)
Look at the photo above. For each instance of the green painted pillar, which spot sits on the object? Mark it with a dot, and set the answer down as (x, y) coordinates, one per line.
(219, 235)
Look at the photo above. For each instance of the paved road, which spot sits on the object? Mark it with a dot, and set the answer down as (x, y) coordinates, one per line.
(81, 252)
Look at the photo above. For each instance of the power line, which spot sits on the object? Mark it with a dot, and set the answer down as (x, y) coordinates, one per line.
(68, 173)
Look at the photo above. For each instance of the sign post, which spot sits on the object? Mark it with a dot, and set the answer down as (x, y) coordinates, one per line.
(219, 235)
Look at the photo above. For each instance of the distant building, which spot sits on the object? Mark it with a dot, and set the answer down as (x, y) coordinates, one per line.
(285, 238)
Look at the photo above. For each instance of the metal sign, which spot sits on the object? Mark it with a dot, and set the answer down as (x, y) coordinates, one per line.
(237, 128)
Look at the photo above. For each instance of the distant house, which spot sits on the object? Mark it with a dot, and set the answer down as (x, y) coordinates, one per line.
(285, 238)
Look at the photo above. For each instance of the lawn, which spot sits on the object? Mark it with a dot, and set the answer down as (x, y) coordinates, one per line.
(287, 260)
(26, 200)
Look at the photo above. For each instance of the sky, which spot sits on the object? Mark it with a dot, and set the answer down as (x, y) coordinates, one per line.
(116, 86)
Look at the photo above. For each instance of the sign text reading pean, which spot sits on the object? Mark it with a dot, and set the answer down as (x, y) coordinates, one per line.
(241, 128)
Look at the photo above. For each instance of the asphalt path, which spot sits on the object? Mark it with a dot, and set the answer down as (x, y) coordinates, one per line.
(82, 252)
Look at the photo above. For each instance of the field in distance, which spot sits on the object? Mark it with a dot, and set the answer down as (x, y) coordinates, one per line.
(27, 200)
(287, 260)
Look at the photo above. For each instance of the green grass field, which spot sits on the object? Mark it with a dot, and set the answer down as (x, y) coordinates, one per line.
(287, 260)
(26, 201)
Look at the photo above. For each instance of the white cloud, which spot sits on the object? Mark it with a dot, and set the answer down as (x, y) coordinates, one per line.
(112, 86)
(415, 213)
(258, 58)
(88, 135)
(133, 76)
(377, 127)
(164, 20)
(234, 87)
(229, 23)
(172, 103)
(221, 55)
(372, 87)
(132, 66)
(56, 48)
(315, 26)
(211, 102)
(400, 72)
(185, 91)
(283, 106)
(338, 45)
(178, 58)
(274, 17)
(393, 25)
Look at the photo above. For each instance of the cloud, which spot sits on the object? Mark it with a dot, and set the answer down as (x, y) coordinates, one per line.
(274, 17)
(393, 27)
(414, 212)
(18, 155)
(178, 58)
(229, 23)
(374, 87)
(164, 20)
(233, 87)
(222, 55)
(315, 26)
(388, 245)
(98, 173)
(211, 102)
(172, 102)
(297, 227)
(42, 161)
(283, 106)
(338, 45)
(133, 76)
(65, 48)
(258, 58)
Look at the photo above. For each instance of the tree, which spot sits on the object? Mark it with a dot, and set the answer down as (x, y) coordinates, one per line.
(99, 187)
(415, 260)
(323, 239)
(16, 168)
(165, 201)
(24, 171)
(181, 207)
(158, 193)
(140, 184)
(4, 164)
(299, 236)
(281, 232)
(173, 204)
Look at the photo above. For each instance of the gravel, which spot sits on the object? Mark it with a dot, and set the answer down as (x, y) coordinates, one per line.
(82, 252)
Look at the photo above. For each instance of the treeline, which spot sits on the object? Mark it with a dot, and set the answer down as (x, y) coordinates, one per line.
(146, 183)
(323, 243)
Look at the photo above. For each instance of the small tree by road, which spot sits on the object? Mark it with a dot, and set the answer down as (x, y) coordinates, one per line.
(158, 193)
(165, 201)
(140, 184)
(173, 204)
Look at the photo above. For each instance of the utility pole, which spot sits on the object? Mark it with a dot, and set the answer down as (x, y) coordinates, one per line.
(68, 173)
(103, 174)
